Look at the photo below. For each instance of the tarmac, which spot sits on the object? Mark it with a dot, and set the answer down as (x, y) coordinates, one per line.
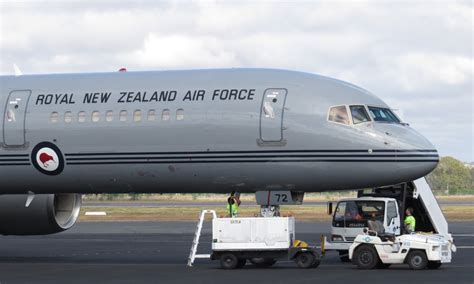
(156, 252)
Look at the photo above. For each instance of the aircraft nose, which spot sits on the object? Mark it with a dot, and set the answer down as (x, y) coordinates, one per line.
(403, 137)
(416, 155)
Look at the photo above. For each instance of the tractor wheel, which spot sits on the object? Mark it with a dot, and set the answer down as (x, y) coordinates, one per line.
(417, 260)
(365, 257)
(305, 259)
(317, 260)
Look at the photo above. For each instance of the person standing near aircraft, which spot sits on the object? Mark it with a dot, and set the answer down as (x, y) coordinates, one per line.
(410, 221)
(233, 203)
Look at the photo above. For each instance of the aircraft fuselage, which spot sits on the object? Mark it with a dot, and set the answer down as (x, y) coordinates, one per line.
(197, 131)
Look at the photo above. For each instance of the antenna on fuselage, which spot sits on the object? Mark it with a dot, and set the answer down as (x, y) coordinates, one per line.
(17, 70)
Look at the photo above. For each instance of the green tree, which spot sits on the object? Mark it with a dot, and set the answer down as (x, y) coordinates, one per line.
(451, 175)
(472, 177)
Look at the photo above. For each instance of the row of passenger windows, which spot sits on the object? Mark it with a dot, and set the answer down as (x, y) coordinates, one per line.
(110, 115)
(360, 114)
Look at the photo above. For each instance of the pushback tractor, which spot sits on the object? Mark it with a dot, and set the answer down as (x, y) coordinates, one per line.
(378, 249)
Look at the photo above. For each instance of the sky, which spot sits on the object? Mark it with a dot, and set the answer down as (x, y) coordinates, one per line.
(415, 55)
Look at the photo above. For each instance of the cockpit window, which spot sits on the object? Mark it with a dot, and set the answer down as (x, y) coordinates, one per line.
(359, 114)
(383, 115)
(339, 114)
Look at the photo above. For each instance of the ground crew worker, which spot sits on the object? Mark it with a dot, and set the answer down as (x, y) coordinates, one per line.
(233, 203)
(410, 222)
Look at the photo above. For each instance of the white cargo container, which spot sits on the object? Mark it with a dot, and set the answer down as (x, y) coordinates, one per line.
(238, 234)
(260, 240)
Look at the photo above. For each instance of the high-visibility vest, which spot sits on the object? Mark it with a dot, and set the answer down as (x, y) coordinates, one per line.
(232, 209)
(410, 222)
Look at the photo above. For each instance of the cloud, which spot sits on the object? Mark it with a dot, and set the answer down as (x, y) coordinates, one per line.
(424, 69)
(178, 50)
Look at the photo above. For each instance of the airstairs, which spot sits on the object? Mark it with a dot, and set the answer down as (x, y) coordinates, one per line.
(193, 253)
(418, 195)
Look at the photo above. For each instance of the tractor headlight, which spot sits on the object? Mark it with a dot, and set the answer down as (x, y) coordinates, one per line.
(336, 238)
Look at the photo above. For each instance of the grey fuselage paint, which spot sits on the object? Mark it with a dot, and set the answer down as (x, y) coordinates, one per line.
(217, 146)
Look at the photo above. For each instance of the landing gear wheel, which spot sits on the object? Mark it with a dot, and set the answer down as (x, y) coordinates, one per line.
(434, 264)
(229, 261)
(365, 257)
(344, 256)
(417, 260)
(241, 263)
(262, 261)
(305, 259)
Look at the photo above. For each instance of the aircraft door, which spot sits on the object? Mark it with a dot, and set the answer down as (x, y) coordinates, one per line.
(271, 115)
(14, 118)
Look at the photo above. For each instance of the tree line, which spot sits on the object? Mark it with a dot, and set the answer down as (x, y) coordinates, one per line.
(452, 176)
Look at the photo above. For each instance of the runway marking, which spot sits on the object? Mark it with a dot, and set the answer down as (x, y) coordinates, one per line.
(95, 213)
(463, 235)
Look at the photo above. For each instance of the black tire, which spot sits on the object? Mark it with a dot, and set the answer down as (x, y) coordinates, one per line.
(434, 264)
(305, 259)
(262, 262)
(241, 263)
(365, 257)
(317, 260)
(344, 255)
(417, 260)
(229, 261)
(316, 263)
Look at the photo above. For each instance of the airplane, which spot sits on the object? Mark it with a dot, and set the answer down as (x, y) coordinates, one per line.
(191, 131)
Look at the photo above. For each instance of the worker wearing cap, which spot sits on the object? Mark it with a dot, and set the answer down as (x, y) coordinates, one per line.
(233, 203)
(410, 222)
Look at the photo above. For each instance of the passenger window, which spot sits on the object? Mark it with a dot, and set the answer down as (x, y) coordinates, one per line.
(123, 115)
(95, 116)
(151, 115)
(359, 114)
(165, 115)
(137, 116)
(81, 116)
(339, 114)
(109, 116)
(179, 114)
(68, 117)
(54, 117)
(268, 110)
(11, 116)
